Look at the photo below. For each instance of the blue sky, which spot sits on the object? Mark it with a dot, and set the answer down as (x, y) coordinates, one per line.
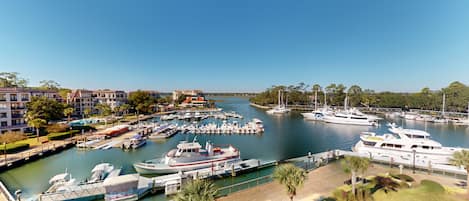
(236, 45)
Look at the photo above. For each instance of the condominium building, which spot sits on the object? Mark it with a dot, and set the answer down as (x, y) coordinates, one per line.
(192, 97)
(81, 100)
(113, 98)
(13, 106)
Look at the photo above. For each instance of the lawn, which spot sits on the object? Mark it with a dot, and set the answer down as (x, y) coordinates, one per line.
(33, 141)
(426, 191)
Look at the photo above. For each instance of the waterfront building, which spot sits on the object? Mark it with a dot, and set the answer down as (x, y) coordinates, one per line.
(81, 100)
(193, 97)
(13, 106)
(113, 98)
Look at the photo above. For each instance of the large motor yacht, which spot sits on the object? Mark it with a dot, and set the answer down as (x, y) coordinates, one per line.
(189, 156)
(401, 145)
(352, 117)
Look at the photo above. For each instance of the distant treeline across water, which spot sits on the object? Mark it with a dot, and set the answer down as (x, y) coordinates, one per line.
(457, 97)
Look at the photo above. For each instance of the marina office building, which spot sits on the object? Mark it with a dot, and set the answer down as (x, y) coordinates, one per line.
(13, 106)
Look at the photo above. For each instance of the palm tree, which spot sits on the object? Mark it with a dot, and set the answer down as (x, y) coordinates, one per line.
(197, 190)
(291, 176)
(87, 112)
(461, 158)
(37, 123)
(353, 165)
(68, 112)
(386, 184)
(124, 108)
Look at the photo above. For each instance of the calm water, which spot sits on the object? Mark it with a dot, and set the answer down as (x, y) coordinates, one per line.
(285, 137)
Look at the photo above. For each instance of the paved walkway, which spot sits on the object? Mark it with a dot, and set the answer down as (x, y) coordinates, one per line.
(321, 183)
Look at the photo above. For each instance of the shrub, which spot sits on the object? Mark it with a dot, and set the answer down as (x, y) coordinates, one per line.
(403, 177)
(432, 186)
(15, 147)
(57, 128)
(61, 136)
(86, 128)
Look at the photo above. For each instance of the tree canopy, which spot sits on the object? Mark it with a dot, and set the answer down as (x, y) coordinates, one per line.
(457, 97)
(142, 102)
(44, 108)
(11, 79)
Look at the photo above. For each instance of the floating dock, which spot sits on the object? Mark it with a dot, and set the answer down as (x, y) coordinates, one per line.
(140, 186)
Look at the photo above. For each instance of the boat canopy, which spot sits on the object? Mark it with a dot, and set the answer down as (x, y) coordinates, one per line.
(102, 167)
(189, 145)
(59, 177)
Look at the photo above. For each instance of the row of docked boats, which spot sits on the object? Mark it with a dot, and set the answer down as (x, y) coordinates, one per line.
(415, 116)
(253, 127)
(401, 144)
(200, 116)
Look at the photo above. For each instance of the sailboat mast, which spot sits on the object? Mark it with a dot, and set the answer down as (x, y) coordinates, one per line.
(315, 99)
(444, 101)
(345, 102)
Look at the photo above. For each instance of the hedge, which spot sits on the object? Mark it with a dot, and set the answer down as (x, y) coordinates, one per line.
(15, 147)
(86, 128)
(61, 136)
(403, 177)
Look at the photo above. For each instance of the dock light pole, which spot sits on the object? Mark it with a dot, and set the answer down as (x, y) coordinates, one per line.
(309, 161)
(413, 165)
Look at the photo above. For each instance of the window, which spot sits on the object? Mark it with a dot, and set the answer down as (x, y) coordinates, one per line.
(3, 115)
(3, 97)
(413, 146)
(3, 123)
(426, 147)
(25, 97)
(13, 97)
(3, 106)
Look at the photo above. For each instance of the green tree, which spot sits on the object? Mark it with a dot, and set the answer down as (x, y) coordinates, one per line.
(461, 158)
(124, 108)
(49, 84)
(355, 95)
(142, 102)
(353, 165)
(11, 79)
(68, 112)
(36, 123)
(197, 190)
(86, 112)
(104, 109)
(45, 108)
(291, 177)
(63, 93)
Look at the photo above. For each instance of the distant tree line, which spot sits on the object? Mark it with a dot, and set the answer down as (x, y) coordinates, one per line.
(457, 97)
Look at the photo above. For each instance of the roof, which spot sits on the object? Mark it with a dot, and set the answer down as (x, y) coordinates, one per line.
(121, 180)
(189, 145)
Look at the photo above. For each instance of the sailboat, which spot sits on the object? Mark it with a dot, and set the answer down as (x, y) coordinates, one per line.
(442, 118)
(281, 108)
(317, 114)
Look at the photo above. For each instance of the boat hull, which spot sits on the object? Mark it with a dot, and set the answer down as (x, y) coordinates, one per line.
(349, 121)
(158, 168)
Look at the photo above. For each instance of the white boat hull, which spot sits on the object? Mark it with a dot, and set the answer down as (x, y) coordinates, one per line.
(158, 168)
(349, 121)
(406, 156)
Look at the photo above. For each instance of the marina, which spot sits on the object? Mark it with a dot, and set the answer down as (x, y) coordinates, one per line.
(282, 131)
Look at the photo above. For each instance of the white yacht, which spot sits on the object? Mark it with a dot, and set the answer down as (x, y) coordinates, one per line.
(60, 182)
(351, 117)
(281, 108)
(134, 142)
(400, 144)
(100, 172)
(317, 115)
(189, 156)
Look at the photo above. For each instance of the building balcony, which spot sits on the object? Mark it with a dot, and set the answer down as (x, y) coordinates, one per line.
(18, 108)
(13, 99)
(3, 99)
(25, 99)
(17, 126)
(17, 116)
